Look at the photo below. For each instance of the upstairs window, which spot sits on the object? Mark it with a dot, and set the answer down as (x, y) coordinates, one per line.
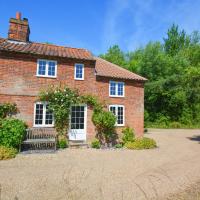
(116, 89)
(118, 111)
(79, 72)
(47, 68)
(42, 116)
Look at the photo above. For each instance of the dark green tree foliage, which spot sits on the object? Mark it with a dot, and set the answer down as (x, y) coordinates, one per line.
(176, 40)
(172, 93)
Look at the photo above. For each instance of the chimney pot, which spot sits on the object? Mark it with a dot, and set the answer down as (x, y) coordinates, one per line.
(18, 15)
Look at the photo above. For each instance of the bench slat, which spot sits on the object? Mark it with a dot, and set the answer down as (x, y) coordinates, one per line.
(38, 141)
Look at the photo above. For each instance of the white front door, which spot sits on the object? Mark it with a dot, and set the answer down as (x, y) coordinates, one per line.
(78, 122)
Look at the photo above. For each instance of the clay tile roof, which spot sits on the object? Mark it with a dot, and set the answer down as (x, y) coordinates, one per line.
(103, 67)
(45, 49)
(107, 69)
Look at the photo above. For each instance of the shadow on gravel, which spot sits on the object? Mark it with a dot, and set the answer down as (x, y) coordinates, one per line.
(195, 138)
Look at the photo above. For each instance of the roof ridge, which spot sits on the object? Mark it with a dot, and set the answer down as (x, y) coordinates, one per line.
(55, 45)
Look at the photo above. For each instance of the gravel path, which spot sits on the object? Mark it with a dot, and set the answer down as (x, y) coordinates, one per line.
(78, 174)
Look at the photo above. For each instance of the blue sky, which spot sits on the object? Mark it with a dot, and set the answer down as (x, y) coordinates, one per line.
(98, 24)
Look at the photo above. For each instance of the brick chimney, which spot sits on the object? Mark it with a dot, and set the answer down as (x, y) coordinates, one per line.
(19, 29)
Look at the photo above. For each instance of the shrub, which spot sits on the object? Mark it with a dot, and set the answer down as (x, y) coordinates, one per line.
(7, 152)
(104, 122)
(162, 121)
(7, 109)
(128, 135)
(141, 143)
(96, 144)
(119, 145)
(62, 142)
(12, 132)
(175, 125)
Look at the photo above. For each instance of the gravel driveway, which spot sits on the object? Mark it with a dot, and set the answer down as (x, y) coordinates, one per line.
(106, 174)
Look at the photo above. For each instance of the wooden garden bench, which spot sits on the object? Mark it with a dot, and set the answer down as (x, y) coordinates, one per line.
(40, 137)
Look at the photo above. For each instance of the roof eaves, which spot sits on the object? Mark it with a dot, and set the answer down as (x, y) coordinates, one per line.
(123, 78)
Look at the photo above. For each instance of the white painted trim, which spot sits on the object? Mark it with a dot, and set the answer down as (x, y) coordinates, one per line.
(83, 73)
(116, 109)
(43, 115)
(85, 121)
(46, 68)
(116, 82)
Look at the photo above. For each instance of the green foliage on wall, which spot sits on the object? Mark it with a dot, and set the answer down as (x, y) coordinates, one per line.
(60, 99)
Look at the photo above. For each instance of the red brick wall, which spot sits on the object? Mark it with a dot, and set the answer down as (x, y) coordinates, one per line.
(19, 84)
(19, 30)
(133, 102)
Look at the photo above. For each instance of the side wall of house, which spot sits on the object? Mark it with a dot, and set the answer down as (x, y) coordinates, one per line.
(19, 84)
(133, 102)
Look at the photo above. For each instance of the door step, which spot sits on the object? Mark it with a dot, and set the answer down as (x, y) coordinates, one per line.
(78, 144)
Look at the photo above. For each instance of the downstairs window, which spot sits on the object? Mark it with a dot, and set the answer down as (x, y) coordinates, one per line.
(42, 116)
(118, 111)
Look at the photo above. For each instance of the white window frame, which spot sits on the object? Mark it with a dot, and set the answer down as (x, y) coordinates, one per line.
(116, 109)
(82, 71)
(43, 117)
(116, 83)
(46, 68)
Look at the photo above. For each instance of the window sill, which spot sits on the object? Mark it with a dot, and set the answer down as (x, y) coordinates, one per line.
(79, 79)
(119, 125)
(116, 96)
(41, 76)
(43, 126)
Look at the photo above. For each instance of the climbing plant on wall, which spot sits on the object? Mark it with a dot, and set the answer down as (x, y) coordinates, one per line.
(60, 99)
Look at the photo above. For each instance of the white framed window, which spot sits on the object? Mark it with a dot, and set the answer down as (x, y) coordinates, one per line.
(79, 71)
(42, 116)
(116, 89)
(46, 68)
(119, 112)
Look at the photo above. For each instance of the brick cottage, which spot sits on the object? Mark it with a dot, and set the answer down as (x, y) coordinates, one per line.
(27, 67)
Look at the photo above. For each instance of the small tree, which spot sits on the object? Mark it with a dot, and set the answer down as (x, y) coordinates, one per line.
(105, 125)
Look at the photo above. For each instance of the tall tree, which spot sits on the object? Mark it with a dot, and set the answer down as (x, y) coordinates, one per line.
(176, 40)
(172, 93)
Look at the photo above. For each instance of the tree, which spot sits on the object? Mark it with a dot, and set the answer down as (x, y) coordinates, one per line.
(176, 40)
(195, 37)
(172, 93)
(115, 55)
